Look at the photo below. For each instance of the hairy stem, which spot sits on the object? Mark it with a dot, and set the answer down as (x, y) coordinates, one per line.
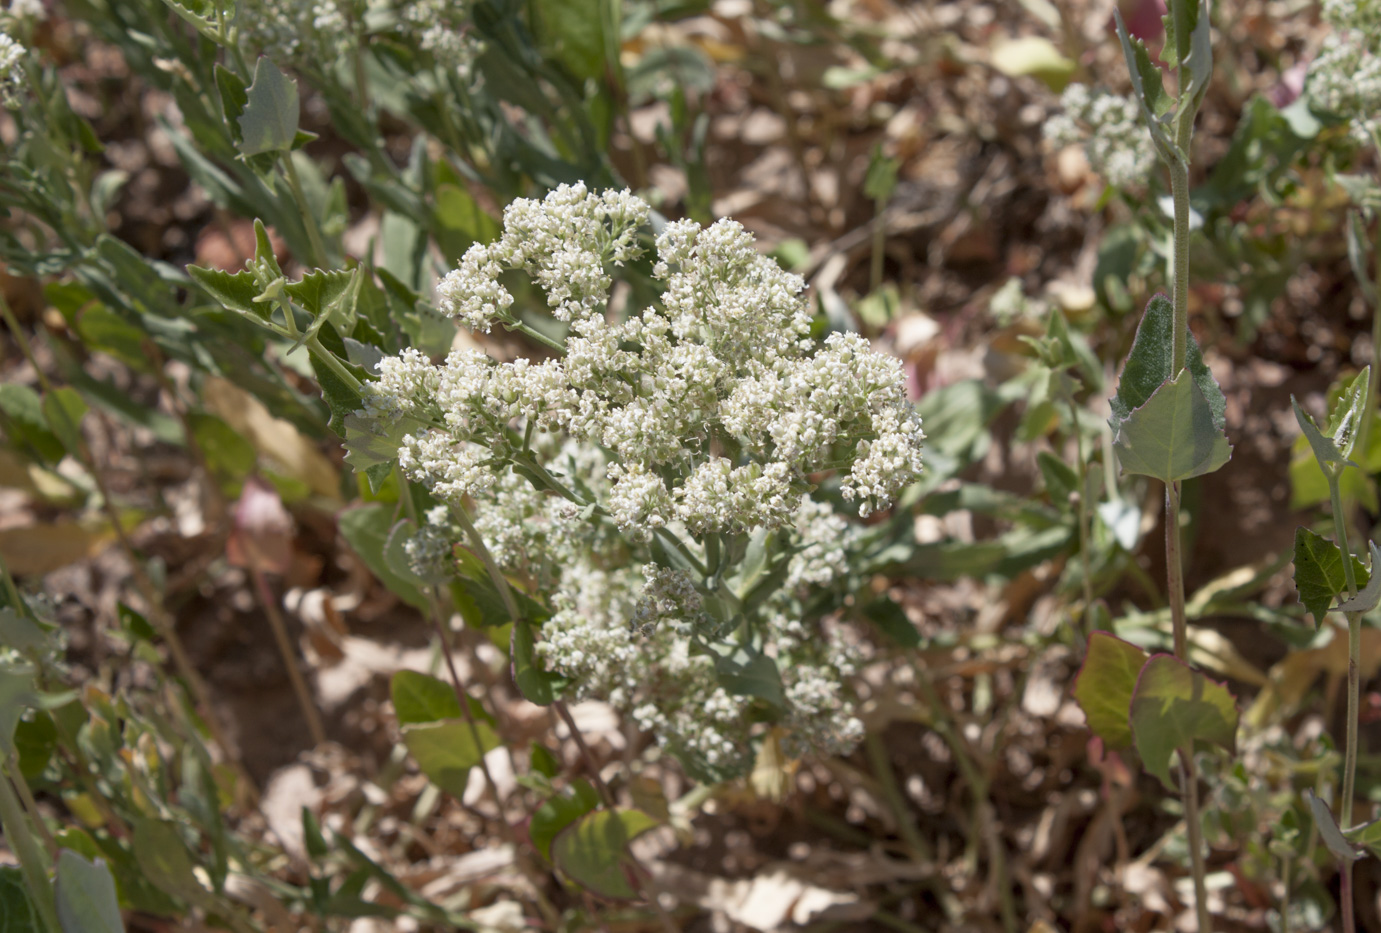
(1354, 653)
(309, 219)
(1179, 191)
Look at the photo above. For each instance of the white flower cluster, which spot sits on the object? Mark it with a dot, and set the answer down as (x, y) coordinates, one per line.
(703, 418)
(1110, 129)
(11, 70)
(566, 244)
(1361, 16)
(1345, 77)
(442, 27)
(285, 30)
(713, 401)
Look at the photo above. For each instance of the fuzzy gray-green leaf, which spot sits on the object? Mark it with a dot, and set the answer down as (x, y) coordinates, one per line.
(269, 123)
(1173, 436)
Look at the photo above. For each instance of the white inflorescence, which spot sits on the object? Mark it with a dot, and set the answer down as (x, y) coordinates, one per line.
(1345, 77)
(1109, 128)
(11, 69)
(710, 412)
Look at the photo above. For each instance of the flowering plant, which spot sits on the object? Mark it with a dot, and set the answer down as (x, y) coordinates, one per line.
(651, 482)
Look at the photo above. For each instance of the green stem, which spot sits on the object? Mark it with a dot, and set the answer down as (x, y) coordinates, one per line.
(331, 361)
(533, 334)
(1354, 650)
(1179, 192)
(32, 863)
(881, 765)
(309, 219)
(1189, 788)
(1085, 562)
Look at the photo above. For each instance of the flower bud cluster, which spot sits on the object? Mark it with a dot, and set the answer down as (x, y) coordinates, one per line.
(1109, 128)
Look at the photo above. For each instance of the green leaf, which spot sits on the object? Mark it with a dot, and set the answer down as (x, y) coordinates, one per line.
(341, 397)
(269, 121)
(1147, 86)
(535, 684)
(233, 97)
(1149, 363)
(1173, 436)
(593, 851)
(85, 893)
(1338, 844)
(1173, 707)
(1336, 442)
(234, 290)
(327, 296)
(558, 812)
(366, 530)
(746, 672)
(64, 409)
(421, 698)
(1151, 359)
(1319, 575)
(1105, 686)
(229, 455)
(17, 912)
(1367, 598)
(447, 750)
(16, 695)
(164, 861)
(573, 33)
(1060, 479)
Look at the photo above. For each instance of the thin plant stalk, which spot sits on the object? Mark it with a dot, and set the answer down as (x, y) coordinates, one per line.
(308, 216)
(285, 647)
(20, 837)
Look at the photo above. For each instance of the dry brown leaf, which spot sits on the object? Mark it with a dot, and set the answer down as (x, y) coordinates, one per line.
(41, 549)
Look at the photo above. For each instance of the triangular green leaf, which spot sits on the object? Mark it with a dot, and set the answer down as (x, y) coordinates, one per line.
(447, 750)
(559, 812)
(1173, 436)
(594, 850)
(1149, 363)
(269, 121)
(421, 697)
(1105, 685)
(1319, 575)
(1174, 707)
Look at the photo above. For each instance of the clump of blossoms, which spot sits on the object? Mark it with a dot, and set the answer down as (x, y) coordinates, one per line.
(290, 29)
(11, 70)
(651, 482)
(1109, 128)
(1345, 78)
